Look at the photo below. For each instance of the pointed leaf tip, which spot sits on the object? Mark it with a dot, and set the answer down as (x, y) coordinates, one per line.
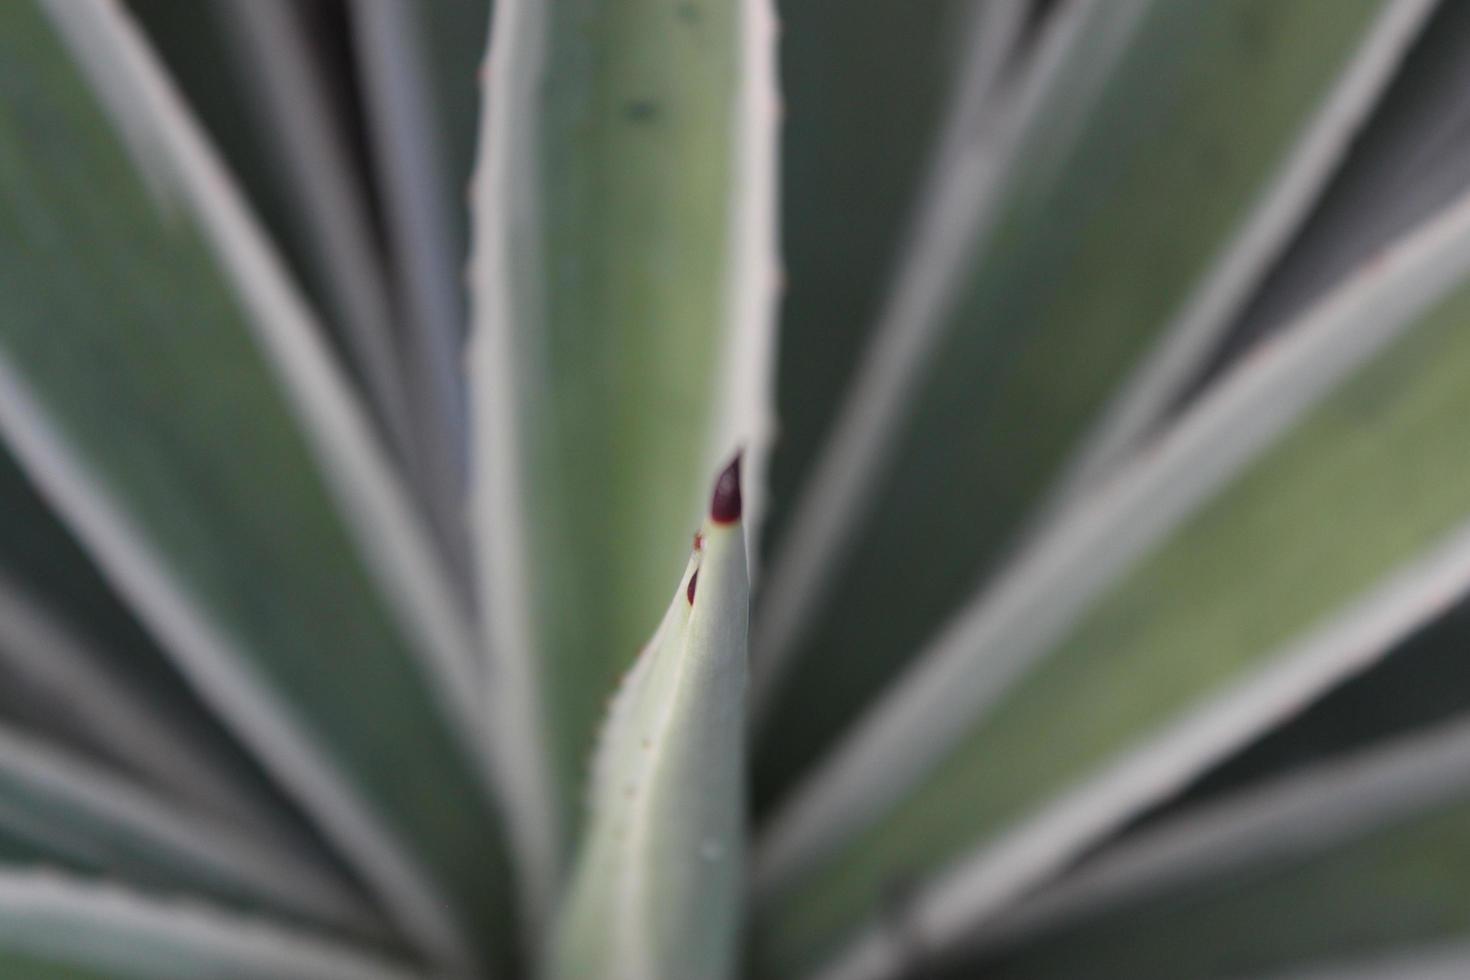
(656, 892)
(724, 507)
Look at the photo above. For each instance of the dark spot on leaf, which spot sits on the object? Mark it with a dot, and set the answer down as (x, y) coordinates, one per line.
(641, 110)
(724, 506)
(698, 541)
(693, 581)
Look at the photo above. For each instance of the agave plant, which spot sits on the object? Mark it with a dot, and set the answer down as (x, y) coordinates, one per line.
(1087, 421)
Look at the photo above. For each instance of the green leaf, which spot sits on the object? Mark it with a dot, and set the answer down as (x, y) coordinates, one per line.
(261, 535)
(864, 87)
(1100, 234)
(56, 928)
(1423, 680)
(455, 35)
(1389, 183)
(64, 808)
(101, 764)
(622, 276)
(297, 160)
(424, 213)
(1197, 573)
(82, 672)
(1343, 865)
(660, 880)
(299, 120)
(257, 69)
(193, 42)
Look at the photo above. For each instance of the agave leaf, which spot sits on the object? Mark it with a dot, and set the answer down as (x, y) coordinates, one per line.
(622, 276)
(455, 34)
(423, 209)
(1133, 199)
(1421, 682)
(272, 476)
(297, 115)
(856, 132)
(197, 44)
(119, 700)
(1434, 962)
(56, 928)
(659, 882)
(191, 40)
(308, 129)
(69, 810)
(259, 76)
(1387, 185)
(1135, 627)
(983, 883)
(1345, 863)
(64, 690)
(1410, 161)
(1272, 219)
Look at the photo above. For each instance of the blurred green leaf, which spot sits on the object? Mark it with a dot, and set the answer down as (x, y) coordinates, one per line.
(64, 810)
(82, 671)
(1424, 680)
(864, 86)
(327, 161)
(305, 124)
(1340, 866)
(1362, 483)
(124, 306)
(454, 34)
(56, 928)
(1132, 178)
(1410, 161)
(422, 202)
(659, 884)
(192, 40)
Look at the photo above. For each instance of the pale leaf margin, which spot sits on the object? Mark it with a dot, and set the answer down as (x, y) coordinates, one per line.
(1410, 161)
(1278, 821)
(300, 124)
(745, 420)
(58, 787)
(109, 928)
(503, 192)
(221, 672)
(659, 883)
(131, 83)
(981, 886)
(958, 211)
(1450, 961)
(989, 645)
(1227, 283)
(503, 195)
(52, 657)
(389, 40)
(380, 516)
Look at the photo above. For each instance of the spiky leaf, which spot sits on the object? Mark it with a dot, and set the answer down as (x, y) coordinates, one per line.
(1135, 185)
(622, 273)
(659, 882)
(1107, 636)
(1356, 866)
(140, 284)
